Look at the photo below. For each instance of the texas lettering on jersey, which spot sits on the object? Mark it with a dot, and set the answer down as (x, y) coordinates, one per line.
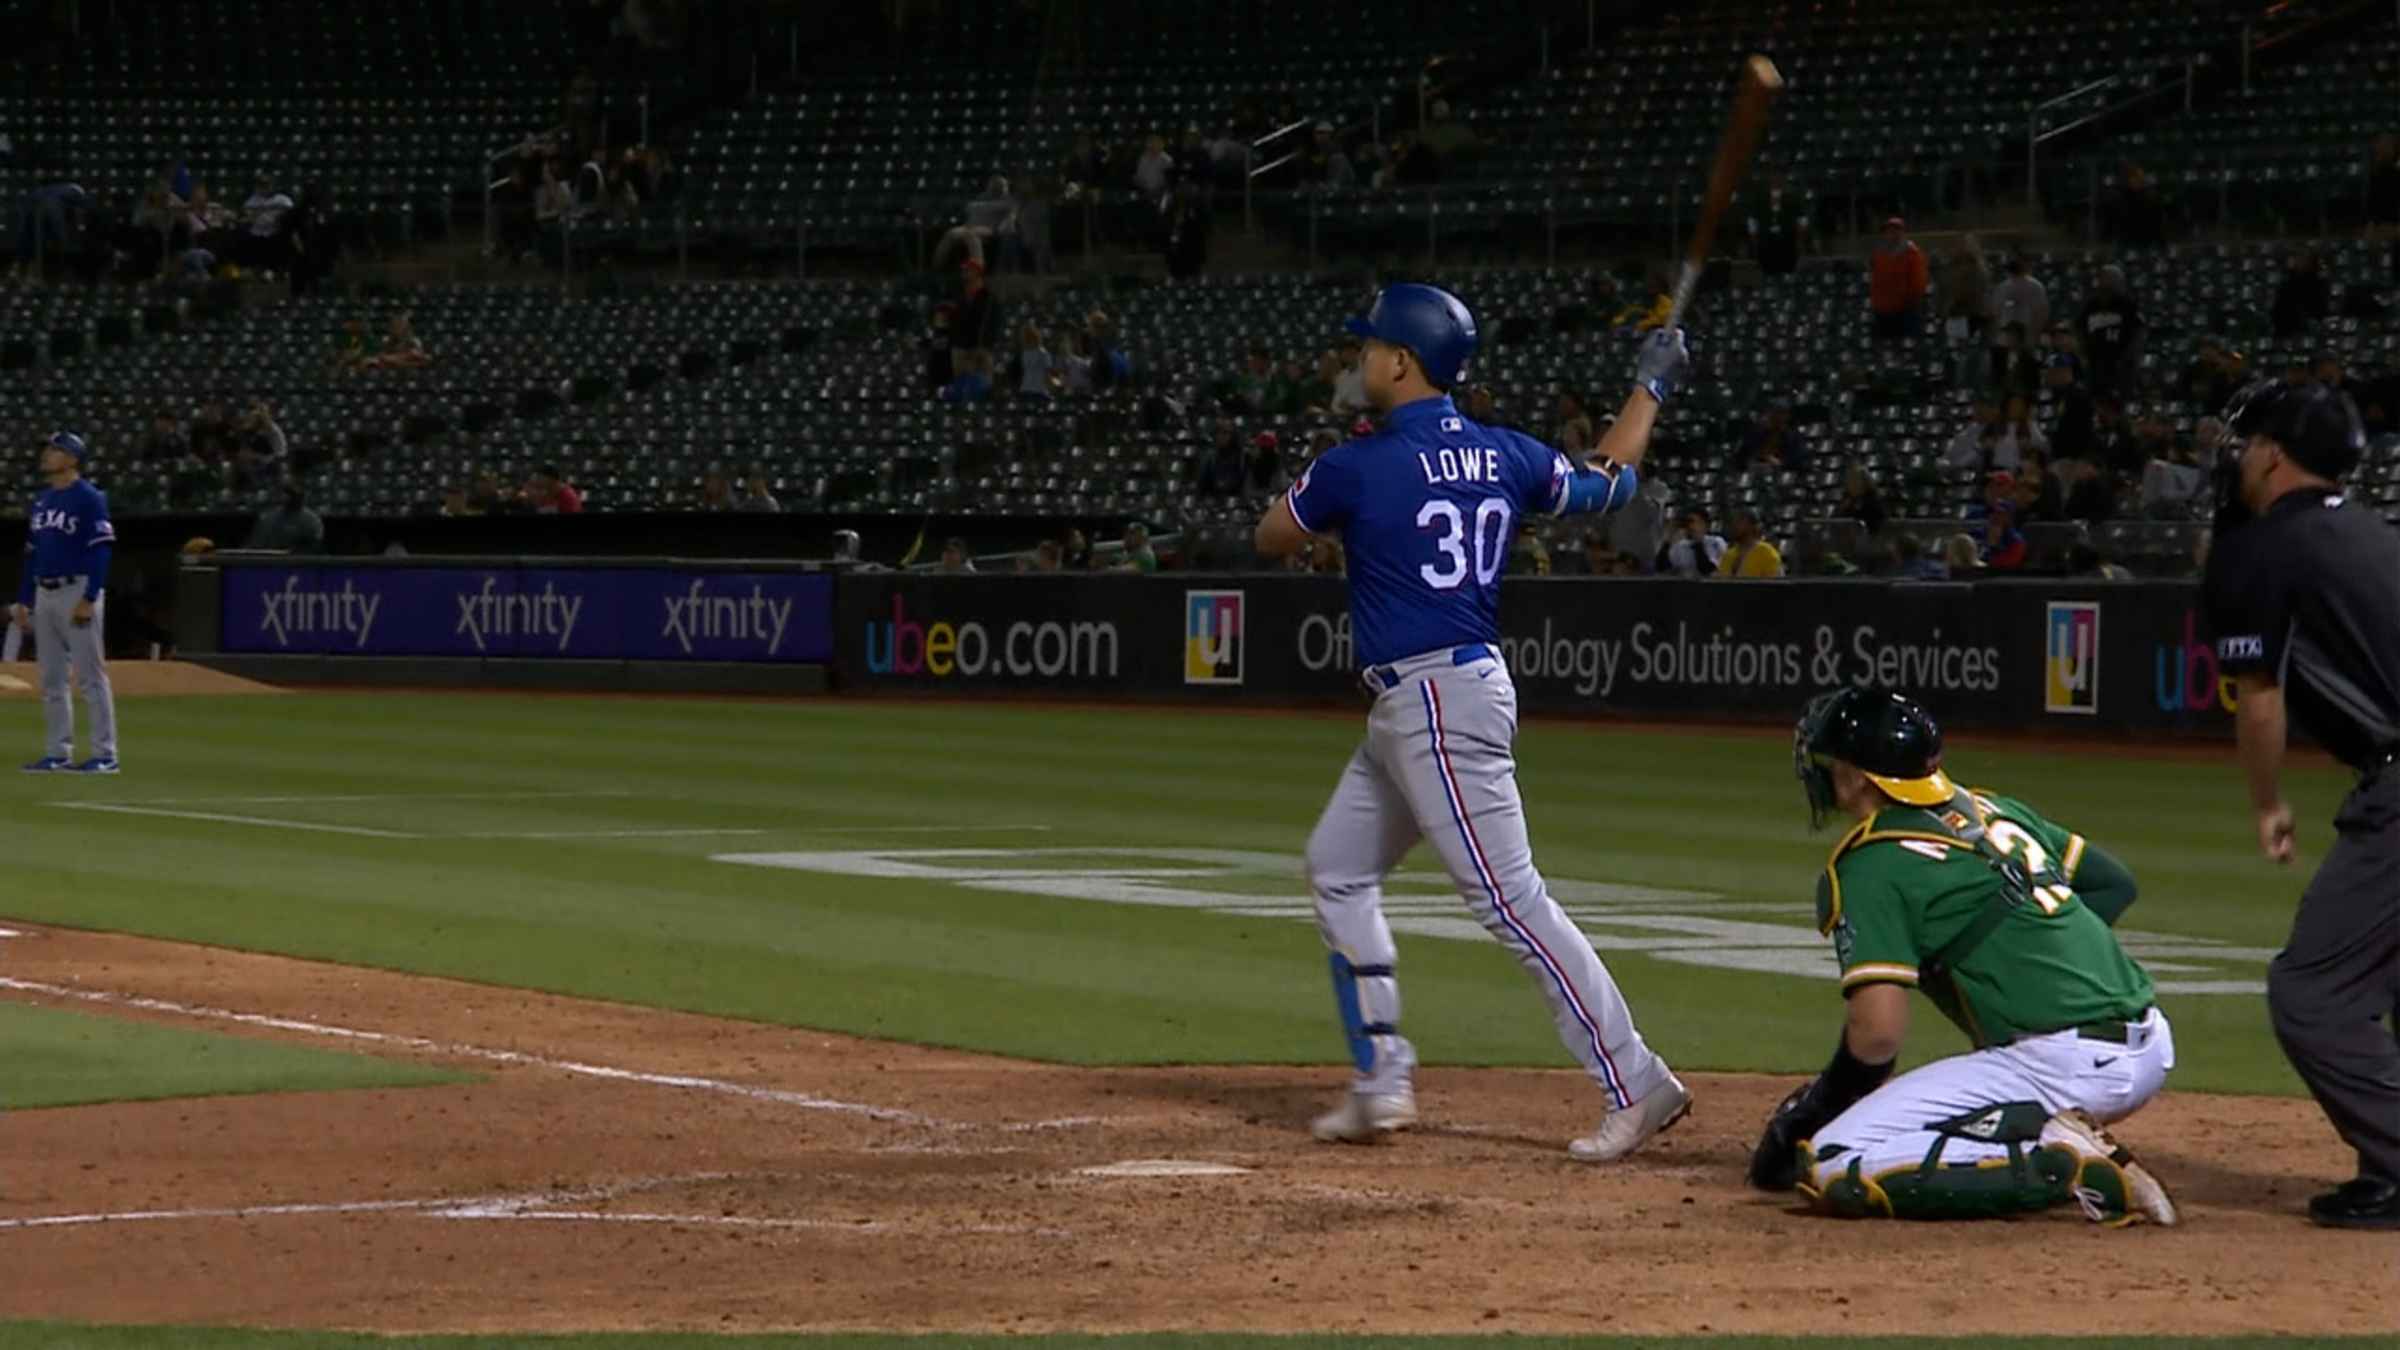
(70, 536)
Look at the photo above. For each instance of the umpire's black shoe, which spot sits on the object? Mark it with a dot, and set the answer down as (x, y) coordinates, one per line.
(2364, 1203)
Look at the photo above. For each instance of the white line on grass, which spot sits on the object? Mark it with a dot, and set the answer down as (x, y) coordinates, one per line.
(225, 818)
(781, 1096)
(374, 797)
(595, 834)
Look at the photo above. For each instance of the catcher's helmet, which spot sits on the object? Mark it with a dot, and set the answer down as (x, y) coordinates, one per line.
(1887, 736)
(1427, 320)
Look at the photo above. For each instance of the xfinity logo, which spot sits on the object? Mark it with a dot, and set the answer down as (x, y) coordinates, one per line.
(743, 619)
(489, 613)
(293, 611)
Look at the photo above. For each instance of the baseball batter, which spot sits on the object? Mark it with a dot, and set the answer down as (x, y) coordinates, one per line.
(1426, 509)
(2004, 920)
(61, 601)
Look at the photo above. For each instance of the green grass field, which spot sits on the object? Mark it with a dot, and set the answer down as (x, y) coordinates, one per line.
(569, 845)
(63, 1058)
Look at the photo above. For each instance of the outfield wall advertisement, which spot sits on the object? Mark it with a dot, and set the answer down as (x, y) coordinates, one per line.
(533, 609)
(2022, 654)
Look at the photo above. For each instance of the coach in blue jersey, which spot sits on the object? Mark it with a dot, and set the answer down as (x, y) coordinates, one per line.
(61, 601)
(1426, 509)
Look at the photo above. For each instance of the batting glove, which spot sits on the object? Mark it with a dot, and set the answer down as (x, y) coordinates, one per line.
(1662, 363)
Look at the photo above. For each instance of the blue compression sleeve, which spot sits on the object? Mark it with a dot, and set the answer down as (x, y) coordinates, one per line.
(96, 570)
(1599, 491)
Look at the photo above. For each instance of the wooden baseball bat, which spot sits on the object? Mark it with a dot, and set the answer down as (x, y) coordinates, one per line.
(1761, 82)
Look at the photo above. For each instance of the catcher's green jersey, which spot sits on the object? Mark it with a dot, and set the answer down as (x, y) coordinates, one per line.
(1902, 886)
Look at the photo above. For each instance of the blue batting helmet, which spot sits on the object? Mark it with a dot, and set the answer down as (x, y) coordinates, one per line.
(1427, 320)
(67, 441)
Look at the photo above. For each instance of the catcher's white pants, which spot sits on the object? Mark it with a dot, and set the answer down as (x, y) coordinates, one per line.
(1887, 1128)
(1437, 764)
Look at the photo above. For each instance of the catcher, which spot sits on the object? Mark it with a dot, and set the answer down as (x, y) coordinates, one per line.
(2003, 920)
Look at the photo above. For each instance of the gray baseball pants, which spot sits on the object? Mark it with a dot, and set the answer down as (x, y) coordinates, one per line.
(61, 645)
(1438, 765)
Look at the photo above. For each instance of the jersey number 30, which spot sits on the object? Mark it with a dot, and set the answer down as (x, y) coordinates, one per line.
(1489, 538)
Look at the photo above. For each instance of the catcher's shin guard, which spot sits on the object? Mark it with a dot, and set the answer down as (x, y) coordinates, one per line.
(2022, 1182)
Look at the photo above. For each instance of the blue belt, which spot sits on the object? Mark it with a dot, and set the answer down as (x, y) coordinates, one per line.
(1378, 679)
(56, 583)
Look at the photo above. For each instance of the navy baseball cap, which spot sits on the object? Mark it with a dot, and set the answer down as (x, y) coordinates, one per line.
(69, 442)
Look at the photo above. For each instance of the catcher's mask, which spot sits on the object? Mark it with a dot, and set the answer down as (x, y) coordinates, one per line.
(2316, 427)
(1887, 736)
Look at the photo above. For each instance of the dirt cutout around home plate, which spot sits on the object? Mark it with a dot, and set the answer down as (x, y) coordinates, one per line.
(621, 1168)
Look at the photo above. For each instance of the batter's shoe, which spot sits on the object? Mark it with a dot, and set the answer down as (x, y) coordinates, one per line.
(1364, 1117)
(1628, 1128)
(51, 764)
(2364, 1203)
(94, 766)
(2122, 1191)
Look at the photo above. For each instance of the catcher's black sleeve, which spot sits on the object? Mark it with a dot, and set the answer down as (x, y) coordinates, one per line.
(2103, 883)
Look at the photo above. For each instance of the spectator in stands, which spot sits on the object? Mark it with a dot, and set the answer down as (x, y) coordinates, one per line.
(2035, 493)
(974, 328)
(290, 527)
(758, 497)
(1325, 557)
(1861, 500)
(2113, 333)
(49, 217)
(1188, 222)
(1999, 493)
(1599, 557)
(1961, 556)
(2004, 546)
(311, 240)
(1046, 556)
(1642, 315)
(262, 243)
(1110, 365)
(954, 557)
(1966, 309)
(1778, 223)
(2091, 490)
(1291, 389)
(1137, 555)
(260, 448)
(1325, 165)
(1529, 556)
(2303, 297)
(1074, 365)
(211, 422)
(165, 443)
(1897, 283)
(2139, 211)
(2215, 375)
(716, 491)
(159, 231)
(2085, 562)
(1909, 562)
(1772, 442)
(455, 501)
(1219, 470)
(1262, 469)
(1639, 529)
(988, 218)
(402, 349)
(2173, 484)
(550, 494)
(552, 204)
(1084, 166)
(1574, 423)
(2020, 312)
(1033, 365)
(489, 498)
(1349, 382)
(1251, 387)
(1076, 555)
(1150, 172)
(1751, 556)
(1696, 550)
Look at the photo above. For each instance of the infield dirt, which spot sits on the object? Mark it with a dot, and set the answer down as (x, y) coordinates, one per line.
(756, 1177)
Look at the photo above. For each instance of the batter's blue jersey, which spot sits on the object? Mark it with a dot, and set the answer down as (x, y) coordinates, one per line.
(69, 536)
(1427, 509)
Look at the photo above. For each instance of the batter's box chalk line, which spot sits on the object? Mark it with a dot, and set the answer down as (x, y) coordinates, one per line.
(805, 1101)
(551, 1206)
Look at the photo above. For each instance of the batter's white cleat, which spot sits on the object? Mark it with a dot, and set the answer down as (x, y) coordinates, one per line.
(1364, 1117)
(1629, 1128)
(2144, 1195)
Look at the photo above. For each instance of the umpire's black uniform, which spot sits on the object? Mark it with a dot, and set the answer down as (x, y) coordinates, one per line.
(2307, 595)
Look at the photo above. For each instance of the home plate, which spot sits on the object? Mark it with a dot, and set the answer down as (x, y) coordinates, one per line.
(1162, 1167)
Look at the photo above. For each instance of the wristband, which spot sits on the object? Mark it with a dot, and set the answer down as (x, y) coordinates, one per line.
(1657, 389)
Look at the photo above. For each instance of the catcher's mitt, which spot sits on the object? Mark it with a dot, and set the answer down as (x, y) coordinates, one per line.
(1775, 1163)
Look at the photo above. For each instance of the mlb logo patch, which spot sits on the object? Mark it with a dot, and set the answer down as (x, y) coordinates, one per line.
(2071, 658)
(1212, 637)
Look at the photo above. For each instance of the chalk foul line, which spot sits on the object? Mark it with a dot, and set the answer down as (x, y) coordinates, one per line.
(805, 1101)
